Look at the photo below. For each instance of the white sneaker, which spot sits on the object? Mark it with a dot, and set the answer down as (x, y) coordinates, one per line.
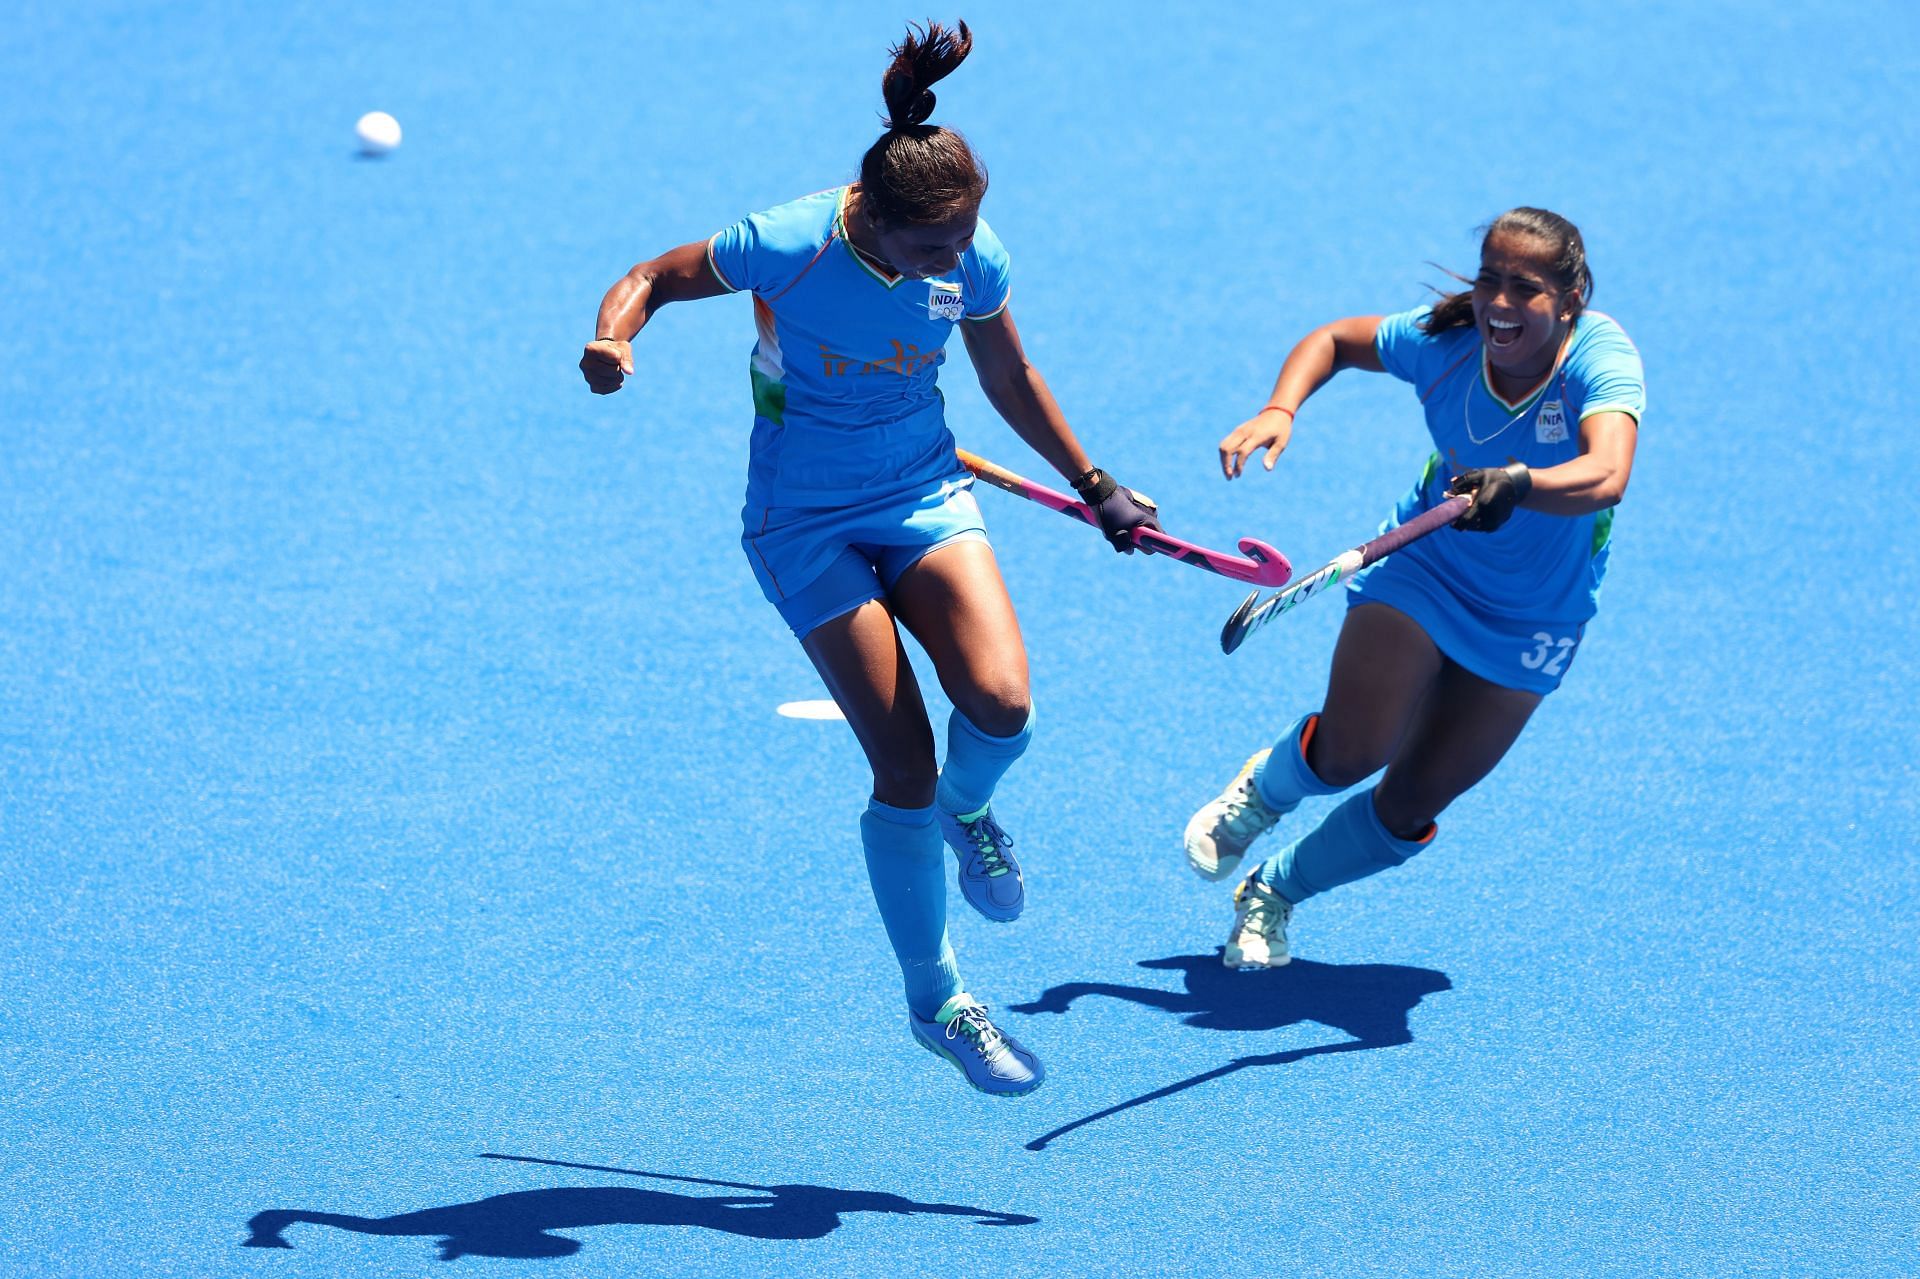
(1219, 834)
(1259, 936)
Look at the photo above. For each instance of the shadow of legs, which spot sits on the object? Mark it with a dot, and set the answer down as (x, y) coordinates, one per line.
(1370, 1002)
(1218, 1072)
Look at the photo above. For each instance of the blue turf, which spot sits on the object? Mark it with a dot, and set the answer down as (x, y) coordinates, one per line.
(388, 771)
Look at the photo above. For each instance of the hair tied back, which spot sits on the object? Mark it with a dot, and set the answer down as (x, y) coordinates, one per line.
(927, 55)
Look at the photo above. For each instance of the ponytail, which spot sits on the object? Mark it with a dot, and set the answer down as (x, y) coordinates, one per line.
(924, 58)
(1452, 311)
(919, 174)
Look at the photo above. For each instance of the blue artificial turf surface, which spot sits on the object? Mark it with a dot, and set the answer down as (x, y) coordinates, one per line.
(389, 776)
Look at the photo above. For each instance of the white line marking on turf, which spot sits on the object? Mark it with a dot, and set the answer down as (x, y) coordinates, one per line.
(811, 710)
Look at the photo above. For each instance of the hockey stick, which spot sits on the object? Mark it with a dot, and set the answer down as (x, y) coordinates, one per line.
(1263, 565)
(1251, 616)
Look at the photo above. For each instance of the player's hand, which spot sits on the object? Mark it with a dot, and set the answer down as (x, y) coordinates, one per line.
(1495, 492)
(1119, 509)
(607, 363)
(1269, 429)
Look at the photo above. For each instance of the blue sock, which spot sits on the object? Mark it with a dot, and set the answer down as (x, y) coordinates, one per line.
(906, 865)
(1284, 777)
(1350, 844)
(976, 763)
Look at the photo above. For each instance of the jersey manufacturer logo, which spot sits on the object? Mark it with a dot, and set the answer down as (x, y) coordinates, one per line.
(943, 301)
(1550, 426)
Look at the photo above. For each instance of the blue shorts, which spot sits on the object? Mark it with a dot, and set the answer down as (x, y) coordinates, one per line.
(1530, 656)
(816, 563)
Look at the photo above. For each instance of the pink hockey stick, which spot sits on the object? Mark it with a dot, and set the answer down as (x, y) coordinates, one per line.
(1262, 565)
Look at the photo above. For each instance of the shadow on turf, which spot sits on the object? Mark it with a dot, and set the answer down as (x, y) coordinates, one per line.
(520, 1224)
(1370, 1002)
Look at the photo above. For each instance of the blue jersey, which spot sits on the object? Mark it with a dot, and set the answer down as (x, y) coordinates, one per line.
(1536, 567)
(846, 409)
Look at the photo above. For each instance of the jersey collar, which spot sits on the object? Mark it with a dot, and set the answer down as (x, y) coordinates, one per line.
(867, 264)
(1529, 396)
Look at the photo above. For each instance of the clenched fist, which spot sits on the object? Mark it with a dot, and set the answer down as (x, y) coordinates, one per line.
(607, 363)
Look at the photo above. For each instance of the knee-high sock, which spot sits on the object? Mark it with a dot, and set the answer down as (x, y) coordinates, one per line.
(1284, 777)
(1350, 844)
(976, 762)
(906, 865)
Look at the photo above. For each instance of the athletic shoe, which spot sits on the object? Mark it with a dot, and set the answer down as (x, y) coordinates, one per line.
(1259, 936)
(992, 1060)
(989, 878)
(1219, 834)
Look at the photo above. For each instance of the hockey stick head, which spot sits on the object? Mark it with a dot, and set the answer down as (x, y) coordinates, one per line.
(1236, 628)
(1275, 568)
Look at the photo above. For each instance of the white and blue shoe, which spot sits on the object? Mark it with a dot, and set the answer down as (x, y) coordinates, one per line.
(989, 877)
(1219, 834)
(1259, 936)
(992, 1060)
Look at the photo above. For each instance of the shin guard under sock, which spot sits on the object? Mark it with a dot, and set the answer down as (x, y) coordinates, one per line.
(1350, 844)
(1284, 777)
(906, 867)
(976, 762)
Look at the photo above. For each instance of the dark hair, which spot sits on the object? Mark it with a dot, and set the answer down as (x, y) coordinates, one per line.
(1569, 268)
(919, 174)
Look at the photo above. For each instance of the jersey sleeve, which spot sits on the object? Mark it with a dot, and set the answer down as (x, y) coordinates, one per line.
(987, 281)
(731, 254)
(763, 252)
(1401, 345)
(1606, 375)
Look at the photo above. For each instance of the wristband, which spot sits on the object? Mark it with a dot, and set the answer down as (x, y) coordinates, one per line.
(1094, 486)
(1279, 408)
(1522, 480)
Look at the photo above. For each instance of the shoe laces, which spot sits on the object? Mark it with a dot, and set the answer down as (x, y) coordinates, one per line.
(1247, 814)
(972, 1022)
(988, 840)
(1265, 914)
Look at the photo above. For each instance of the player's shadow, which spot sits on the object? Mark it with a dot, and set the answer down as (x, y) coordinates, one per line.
(1369, 1002)
(521, 1224)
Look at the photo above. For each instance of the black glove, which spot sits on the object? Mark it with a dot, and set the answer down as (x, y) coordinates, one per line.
(1496, 491)
(1119, 510)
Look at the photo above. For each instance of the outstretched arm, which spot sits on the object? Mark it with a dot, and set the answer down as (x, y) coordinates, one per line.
(1020, 395)
(678, 275)
(1344, 344)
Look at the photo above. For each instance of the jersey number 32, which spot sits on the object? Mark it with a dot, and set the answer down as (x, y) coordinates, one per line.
(1549, 652)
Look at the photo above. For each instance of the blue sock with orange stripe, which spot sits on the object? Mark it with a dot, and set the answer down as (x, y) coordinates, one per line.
(1284, 777)
(1350, 844)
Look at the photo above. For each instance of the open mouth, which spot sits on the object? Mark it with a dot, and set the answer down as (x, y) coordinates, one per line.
(1502, 334)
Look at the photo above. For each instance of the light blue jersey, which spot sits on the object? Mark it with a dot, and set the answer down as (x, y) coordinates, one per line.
(845, 402)
(1537, 568)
